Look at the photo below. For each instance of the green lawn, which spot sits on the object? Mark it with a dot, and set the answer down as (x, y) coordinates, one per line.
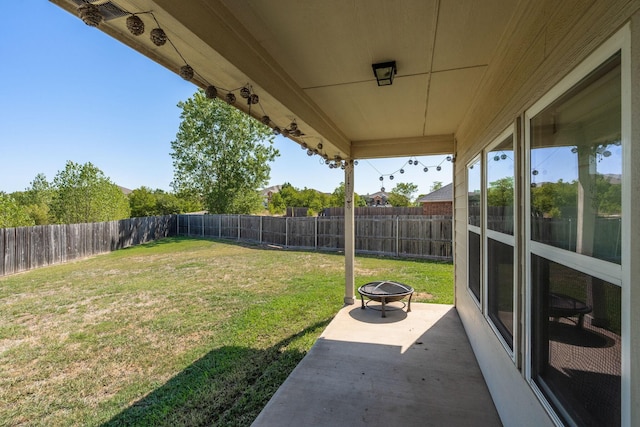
(176, 332)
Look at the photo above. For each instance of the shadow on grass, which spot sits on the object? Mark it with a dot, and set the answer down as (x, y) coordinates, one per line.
(160, 242)
(228, 386)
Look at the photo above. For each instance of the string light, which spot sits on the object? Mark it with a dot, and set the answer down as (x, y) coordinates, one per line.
(135, 25)
(91, 15)
(158, 37)
(412, 162)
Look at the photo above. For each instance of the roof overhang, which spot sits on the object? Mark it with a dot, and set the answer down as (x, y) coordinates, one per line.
(310, 62)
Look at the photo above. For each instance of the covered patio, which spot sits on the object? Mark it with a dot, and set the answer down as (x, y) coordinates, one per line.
(527, 97)
(410, 369)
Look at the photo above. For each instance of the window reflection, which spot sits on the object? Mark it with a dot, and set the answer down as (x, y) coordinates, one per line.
(576, 167)
(500, 187)
(473, 196)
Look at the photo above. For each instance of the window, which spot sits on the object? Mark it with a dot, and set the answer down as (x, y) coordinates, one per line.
(575, 231)
(474, 181)
(576, 168)
(500, 188)
(576, 340)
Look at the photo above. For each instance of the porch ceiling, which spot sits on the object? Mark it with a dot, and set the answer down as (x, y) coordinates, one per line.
(311, 61)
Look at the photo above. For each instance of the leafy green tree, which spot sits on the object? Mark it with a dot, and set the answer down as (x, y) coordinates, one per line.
(435, 186)
(36, 200)
(146, 202)
(277, 205)
(314, 200)
(608, 196)
(338, 196)
(500, 192)
(221, 154)
(171, 203)
(143, 202)
(84, 194)
(290, 195)
(11, 214)
(555, 199)
(402, 194)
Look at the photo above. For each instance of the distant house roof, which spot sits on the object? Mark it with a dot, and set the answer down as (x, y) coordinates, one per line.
(378, 194)
(273, 189)
(125, 190)
(444, 194)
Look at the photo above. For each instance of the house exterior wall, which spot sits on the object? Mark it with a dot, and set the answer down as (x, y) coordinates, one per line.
(549, 39)
(437, 208)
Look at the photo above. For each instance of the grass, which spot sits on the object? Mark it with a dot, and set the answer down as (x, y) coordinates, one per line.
(176, 332)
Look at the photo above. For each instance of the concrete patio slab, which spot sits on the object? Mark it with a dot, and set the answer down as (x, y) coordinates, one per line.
(409, 369)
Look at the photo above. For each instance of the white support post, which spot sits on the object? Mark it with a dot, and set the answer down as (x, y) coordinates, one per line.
(349, 235)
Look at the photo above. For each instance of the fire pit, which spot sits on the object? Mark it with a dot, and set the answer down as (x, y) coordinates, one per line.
(385, 291)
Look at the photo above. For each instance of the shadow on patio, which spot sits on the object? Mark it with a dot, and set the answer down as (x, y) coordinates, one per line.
(413, 369)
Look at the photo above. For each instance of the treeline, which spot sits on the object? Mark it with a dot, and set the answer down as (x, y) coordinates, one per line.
(81, 193)
(315, 201)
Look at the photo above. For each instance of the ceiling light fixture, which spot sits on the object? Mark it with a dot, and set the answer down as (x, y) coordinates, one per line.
(384, 72)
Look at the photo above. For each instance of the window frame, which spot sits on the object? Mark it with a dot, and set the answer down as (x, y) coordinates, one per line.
(503, 238)
(618, 274)
(479, 300)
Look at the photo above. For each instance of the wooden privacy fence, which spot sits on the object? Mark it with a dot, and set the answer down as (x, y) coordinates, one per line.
(26, 248)
(374, 211)
(402, 236)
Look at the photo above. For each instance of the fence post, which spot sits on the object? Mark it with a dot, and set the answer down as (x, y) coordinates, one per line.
(238, 227)
(261, 218)
(286, 232)
(188, 225)
(397, 235)
(316, 234)
(202, 225)
(219, 226)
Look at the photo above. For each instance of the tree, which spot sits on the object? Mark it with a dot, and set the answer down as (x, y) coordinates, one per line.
(171, 203)
(143, 202)
(402, 194)
(277, 205)
(11, 214)
(338, 196)
(222, 155)
(500, 192)
(555, 199)
(289, 195)
(84, 194)
(435, 186)
(36, 200)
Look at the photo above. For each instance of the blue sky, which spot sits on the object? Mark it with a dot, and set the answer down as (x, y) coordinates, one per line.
(70, 92)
